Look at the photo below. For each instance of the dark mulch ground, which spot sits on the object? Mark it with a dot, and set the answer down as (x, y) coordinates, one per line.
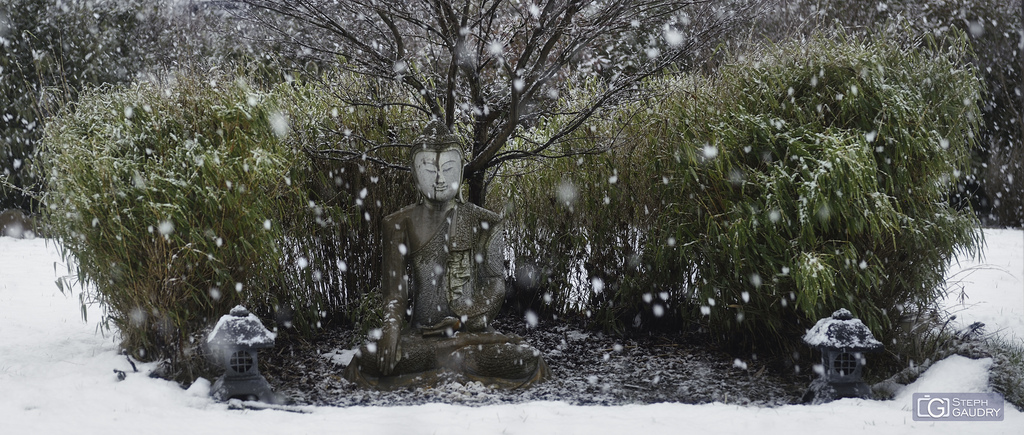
(589, 368)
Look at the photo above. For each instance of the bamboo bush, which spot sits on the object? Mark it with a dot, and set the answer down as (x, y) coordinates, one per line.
(179, 202)
(173, 202)
(808, 177)
(577, 225)
(344, 180)
(749, 203)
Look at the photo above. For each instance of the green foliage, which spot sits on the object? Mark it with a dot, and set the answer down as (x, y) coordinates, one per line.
(176, 204)
(48, 50)
(51, 49)
(992, 28)
(1008, 373)
(330, 124)
(179, 202)
(809, 177)
(576, 226)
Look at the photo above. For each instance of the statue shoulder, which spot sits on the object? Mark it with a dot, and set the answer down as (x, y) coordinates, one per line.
(399, 217)
(480, 214)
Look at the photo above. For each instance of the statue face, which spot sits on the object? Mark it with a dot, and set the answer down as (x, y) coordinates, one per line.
(438, 175)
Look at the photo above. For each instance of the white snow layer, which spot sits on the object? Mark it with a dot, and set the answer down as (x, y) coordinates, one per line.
(243, 330)
(838, 332)
(56, 376)
(993, 287)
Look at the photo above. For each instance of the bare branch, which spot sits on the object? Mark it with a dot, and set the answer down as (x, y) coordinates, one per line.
(499, 67)
(350, 156)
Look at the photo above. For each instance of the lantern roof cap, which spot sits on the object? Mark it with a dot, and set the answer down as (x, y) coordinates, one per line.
(241, 328)
(842, 331)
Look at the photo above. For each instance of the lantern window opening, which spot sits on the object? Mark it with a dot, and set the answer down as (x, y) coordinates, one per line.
(845, 364)
(241, 361)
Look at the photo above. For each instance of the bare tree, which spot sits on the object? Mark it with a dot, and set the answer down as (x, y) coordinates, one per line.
(494, 69)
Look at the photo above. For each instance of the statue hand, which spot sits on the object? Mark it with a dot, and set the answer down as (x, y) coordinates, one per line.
(445, 328)
(389, 349)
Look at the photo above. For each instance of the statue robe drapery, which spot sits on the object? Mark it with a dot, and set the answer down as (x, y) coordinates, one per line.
(455, 286)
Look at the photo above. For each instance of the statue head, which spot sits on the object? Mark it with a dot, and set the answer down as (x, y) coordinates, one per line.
(437, 163)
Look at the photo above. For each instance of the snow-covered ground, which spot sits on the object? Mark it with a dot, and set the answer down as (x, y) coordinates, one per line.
(56, 376)
(993, 287)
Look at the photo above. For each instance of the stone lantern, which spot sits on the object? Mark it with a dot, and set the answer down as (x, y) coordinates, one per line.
(233, 345)
(843, 341)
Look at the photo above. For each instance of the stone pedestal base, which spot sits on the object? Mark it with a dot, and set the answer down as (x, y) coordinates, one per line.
(492, 359)
(822, 391)
(246, 388)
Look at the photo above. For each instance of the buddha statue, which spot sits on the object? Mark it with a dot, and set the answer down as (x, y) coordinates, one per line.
(443, 283)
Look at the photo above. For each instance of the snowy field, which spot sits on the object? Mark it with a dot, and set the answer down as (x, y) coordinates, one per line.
(56, 377)
(994, 287)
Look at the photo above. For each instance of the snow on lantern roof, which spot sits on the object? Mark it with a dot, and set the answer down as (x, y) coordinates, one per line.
(241, 328)
(842, 331)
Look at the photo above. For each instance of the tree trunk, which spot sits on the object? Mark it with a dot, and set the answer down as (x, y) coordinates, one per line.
(477, 188)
